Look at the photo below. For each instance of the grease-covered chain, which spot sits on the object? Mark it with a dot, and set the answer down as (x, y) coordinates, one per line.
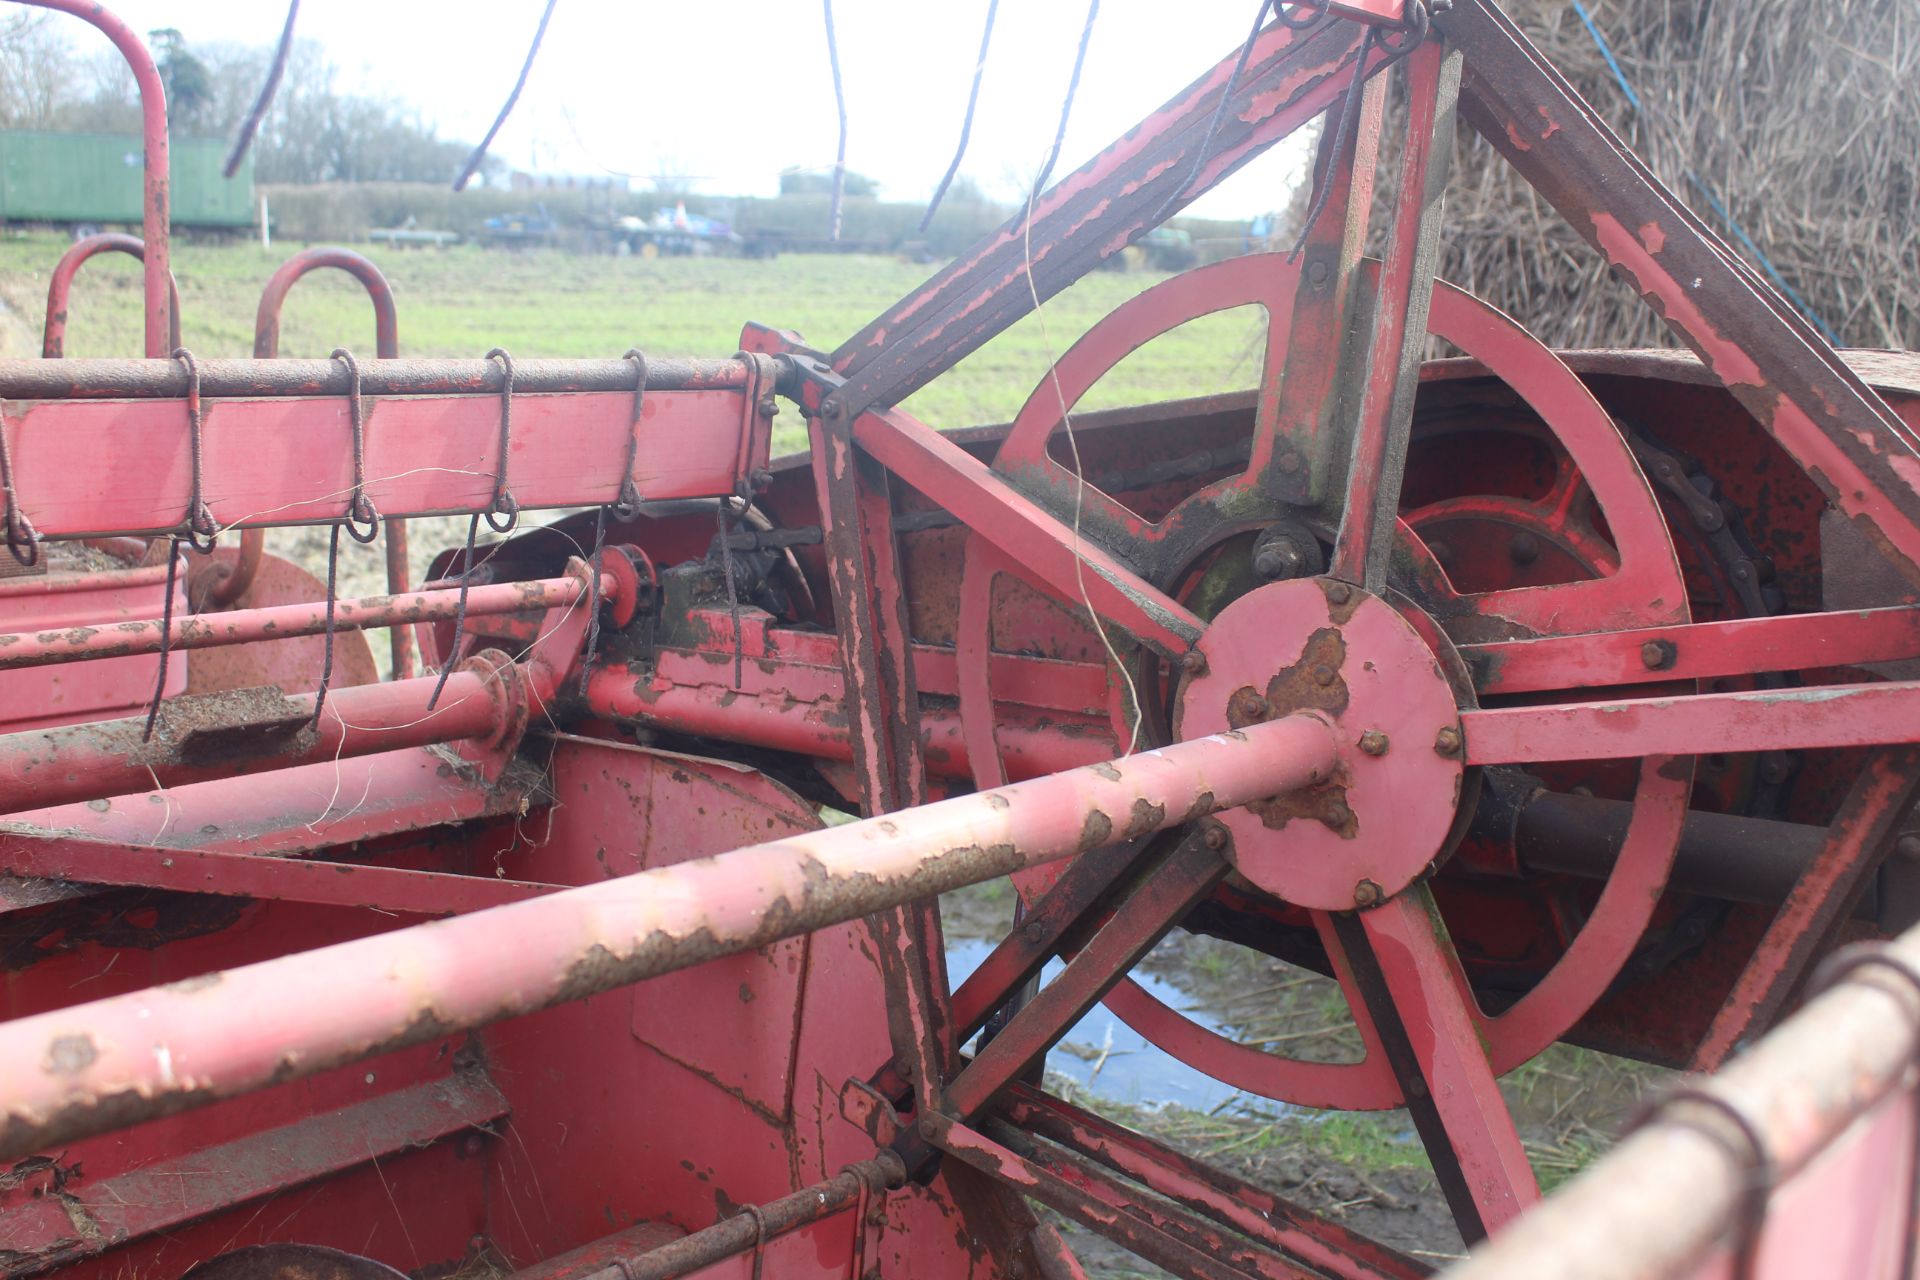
(625, 506)
(1402, 41)
(23, 540)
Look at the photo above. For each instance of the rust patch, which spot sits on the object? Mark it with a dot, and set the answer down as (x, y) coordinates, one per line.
(1097, 832)
(1145, 819)
(70, 1055)
(1325, 804)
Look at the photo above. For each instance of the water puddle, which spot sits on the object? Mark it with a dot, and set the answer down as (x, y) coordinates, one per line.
(1104, 1057)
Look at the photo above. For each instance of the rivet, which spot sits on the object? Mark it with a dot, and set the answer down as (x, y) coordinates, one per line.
(1524, 549)
(1193, 662)
(1373, 742)
(1323, 674)
(1366, 893)
(1447, 741)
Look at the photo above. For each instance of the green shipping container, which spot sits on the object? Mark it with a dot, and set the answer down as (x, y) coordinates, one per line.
(95, 177)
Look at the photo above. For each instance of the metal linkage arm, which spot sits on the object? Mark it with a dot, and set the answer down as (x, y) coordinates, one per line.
(301, 1014)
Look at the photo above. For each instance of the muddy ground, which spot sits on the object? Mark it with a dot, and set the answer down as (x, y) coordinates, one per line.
(1364, 1170)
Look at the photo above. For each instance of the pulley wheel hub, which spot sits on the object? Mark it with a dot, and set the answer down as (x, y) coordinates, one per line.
(1328, 648)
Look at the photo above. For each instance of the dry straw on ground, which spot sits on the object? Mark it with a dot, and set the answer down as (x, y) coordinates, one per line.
(1802, 120)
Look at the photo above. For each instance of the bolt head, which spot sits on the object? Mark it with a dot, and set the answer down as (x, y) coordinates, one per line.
(1193, 662)
(1373, 742)
(1366, 894)
(1035, 932)
(1277, 560)
(1215, 835)
(1447, 742)
(1658, 655)
(1908, 847)
(927, 1129)
(1339, 592)
(903, 1067)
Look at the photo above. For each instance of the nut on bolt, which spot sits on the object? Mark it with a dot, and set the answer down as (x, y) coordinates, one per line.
(1373, 742)
(1366, 894)
(927, 1129)
(1193, 662)
(1339, 592)
(1447, 741)
(1658, 655)
(1214, 832)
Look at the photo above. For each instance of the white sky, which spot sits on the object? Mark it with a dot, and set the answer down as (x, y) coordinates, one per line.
(735, 92)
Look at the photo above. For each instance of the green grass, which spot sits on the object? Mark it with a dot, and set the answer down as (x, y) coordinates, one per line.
(463, 301)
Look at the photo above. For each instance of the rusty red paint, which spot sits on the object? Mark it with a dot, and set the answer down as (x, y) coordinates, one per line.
(162, 325)
(60, 288)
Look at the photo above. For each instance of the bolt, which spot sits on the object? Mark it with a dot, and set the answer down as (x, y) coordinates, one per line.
(1317, 274)
(1365, 894)
(1447, 742)
(1339, 592)
(1524, 549)
(1193, 662)
(1288, 461)
(1247, 707)
(903, 1067)
(1323, 674)
(1215, 834)
(1035, 932)
(876, 1215)
(927, 1129)
(830, 407)
(1278, 559)
(1908, 847)
(1658, 655)
(1373, 742)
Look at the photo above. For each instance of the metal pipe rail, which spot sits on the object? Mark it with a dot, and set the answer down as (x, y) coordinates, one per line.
(247, 731)
(114, 1062)
(114, 379)
(155, 222)
(1658, 1205)
(287, 621)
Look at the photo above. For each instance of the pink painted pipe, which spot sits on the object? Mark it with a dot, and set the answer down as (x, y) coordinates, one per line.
(113, 1062)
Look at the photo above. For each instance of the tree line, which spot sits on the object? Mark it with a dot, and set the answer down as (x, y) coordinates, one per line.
(315, 131)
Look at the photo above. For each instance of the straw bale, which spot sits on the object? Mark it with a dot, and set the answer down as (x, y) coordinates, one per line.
(1803, 119)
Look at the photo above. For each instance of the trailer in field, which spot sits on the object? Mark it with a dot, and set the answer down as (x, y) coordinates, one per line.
(93, 180)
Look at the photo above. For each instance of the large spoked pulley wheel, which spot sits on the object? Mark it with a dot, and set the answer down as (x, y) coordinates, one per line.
(1354, 855)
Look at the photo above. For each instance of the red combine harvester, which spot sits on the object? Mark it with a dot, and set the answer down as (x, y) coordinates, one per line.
(1531, 695)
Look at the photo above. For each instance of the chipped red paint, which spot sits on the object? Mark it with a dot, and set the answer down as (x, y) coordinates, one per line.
(672, 1010)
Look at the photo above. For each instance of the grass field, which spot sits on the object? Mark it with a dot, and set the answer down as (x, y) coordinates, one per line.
(462, 301)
